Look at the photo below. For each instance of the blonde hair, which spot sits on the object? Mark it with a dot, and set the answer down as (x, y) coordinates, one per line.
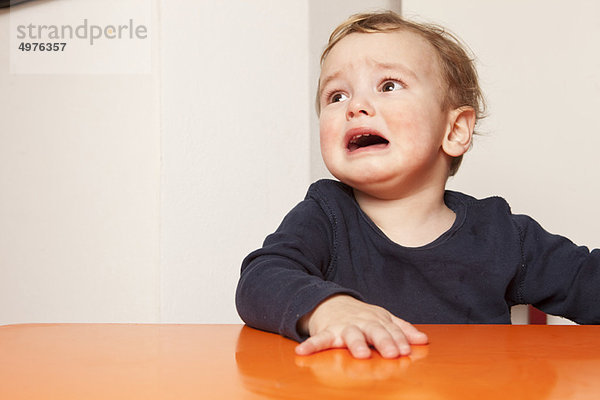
(458, 69)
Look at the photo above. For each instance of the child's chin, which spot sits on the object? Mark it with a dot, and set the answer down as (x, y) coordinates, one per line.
(367, 180)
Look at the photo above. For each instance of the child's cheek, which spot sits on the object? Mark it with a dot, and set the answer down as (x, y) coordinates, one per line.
(327, 131)
(406, 120)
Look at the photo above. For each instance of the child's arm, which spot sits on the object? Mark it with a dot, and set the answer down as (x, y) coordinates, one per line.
(284, 288)
(343, 321)
(557, 276)
(287, 278)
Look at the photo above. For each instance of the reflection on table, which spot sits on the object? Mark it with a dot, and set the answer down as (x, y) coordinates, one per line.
(129, 361)
(518, 362)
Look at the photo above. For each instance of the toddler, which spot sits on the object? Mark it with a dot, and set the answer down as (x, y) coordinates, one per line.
(386, 245)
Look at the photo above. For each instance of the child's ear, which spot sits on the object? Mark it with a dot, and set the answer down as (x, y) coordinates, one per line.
(459, 133)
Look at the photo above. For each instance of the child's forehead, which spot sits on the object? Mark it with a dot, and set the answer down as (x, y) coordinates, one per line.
(401, 49)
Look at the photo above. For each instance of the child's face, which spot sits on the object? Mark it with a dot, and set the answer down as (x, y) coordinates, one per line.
(387, 87)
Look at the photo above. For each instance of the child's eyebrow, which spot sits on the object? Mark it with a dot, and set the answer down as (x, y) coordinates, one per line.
(379, 65)
(397, 66)
(328, 79)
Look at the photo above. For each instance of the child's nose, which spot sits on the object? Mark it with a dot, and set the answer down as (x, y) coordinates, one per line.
(359, 107)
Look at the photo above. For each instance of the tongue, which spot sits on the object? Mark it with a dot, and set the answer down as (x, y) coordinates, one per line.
(365, 141)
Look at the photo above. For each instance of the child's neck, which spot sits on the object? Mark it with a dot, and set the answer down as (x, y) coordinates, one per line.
(412, 221)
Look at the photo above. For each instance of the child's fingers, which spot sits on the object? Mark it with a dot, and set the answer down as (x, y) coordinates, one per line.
(412, 334)
(351, 337)
(356, 342)
(400, 339)
(321, 341)
(388, 340)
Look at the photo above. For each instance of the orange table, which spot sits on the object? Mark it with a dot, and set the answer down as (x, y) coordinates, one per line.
(128, 361)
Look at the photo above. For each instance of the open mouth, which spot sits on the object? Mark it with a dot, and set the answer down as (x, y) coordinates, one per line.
(366, 140)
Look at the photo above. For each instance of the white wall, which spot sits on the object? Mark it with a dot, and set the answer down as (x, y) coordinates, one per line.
(79, 194)
(235, 143)
(540, 69)
(134, 198)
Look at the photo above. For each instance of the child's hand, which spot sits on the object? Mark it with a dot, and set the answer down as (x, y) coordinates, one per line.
(343, 321)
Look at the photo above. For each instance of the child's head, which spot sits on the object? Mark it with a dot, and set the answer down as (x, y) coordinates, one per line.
(458, 80)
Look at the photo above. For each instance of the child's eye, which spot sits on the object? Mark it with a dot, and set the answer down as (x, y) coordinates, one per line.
(391, 85)
(337, 97)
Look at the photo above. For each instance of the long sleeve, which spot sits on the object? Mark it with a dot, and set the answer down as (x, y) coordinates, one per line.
(489, 260)
(558, 276)
(286, 278)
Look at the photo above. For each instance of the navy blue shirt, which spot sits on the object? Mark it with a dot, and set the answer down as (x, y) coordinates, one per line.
(488, 261)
